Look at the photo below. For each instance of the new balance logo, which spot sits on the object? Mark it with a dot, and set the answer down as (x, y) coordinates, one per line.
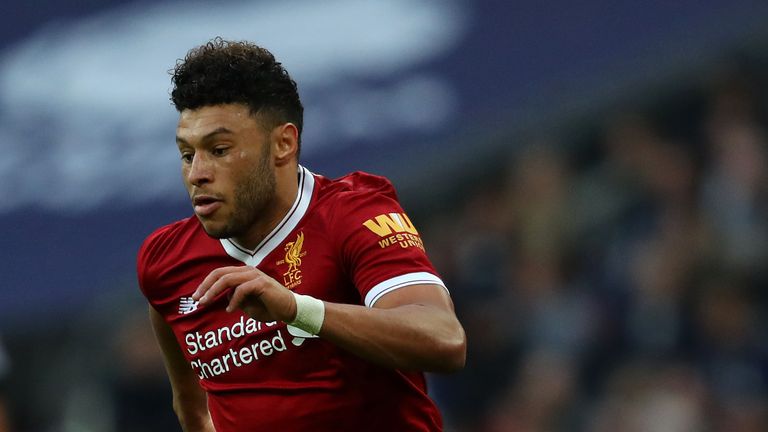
(187, 305)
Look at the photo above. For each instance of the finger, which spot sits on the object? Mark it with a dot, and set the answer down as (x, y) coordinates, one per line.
(229, 281)
(212, 277)
(224, 271)
(225, 281)
(250, 290)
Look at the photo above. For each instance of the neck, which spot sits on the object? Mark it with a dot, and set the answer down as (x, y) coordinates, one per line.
(286, 190)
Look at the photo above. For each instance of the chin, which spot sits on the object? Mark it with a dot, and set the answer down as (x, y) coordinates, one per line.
(214, 230)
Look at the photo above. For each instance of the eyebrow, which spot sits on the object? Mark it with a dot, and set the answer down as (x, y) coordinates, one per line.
(208, 136)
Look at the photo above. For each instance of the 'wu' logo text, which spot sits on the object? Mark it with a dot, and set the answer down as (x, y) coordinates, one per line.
(394, 229)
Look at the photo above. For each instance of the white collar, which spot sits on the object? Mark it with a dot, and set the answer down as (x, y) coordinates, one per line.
(281, 231)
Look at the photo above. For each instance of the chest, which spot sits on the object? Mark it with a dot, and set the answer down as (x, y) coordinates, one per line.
(306, 261)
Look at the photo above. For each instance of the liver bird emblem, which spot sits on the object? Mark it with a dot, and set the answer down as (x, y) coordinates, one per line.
(293, 253)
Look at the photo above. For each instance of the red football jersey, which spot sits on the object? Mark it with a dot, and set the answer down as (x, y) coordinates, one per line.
(346, 241)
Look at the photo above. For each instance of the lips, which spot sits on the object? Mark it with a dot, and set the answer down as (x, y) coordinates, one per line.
(205, 205)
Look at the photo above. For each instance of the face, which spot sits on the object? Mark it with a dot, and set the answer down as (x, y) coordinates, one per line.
(227, 168)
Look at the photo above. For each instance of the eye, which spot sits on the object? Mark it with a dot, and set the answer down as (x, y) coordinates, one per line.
(186, 157)
(219, 151)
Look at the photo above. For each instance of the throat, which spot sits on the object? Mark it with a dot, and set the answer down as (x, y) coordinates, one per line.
(271, 218)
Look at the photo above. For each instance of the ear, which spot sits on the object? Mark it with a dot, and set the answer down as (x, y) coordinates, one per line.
(285, 142)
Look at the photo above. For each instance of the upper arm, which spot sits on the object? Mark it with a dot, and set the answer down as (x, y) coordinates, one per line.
(429, 309)
(419, 294)
(382, 249)
(180, 373)
(163, 333)
(190, 401)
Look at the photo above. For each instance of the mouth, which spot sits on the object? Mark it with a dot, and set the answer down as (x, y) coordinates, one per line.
(205, 205)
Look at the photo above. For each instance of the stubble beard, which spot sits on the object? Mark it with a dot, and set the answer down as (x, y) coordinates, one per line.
(252, 198)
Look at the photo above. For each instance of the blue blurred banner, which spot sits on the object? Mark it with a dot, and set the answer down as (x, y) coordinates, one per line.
(87, 161)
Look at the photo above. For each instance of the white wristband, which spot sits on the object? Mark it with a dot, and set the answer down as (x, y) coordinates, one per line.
(310, 313)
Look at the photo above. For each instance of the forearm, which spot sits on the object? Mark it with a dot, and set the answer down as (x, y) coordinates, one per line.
(196, 423)
(411, 337)
(192, 412)
(412, 327)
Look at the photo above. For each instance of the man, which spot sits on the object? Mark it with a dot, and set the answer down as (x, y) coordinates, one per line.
(291, 302)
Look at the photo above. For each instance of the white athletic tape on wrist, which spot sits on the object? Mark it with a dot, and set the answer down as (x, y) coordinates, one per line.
(310, 313)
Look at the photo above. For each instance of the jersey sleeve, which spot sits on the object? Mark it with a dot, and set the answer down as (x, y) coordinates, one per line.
(381, 247)
(149, 253)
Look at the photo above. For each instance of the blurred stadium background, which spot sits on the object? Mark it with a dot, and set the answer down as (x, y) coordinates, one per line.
(590, 180)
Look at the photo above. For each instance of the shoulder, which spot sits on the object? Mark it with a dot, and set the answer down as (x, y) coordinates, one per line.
(355, 186)
(353, 203)
(160, 239)
(350, 200)
(163, 243)
(360, 181)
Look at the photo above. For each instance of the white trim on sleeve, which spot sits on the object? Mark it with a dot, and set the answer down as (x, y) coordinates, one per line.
(398, 282)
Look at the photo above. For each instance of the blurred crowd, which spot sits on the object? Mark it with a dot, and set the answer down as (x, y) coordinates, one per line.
(612, 277)
(4, 371)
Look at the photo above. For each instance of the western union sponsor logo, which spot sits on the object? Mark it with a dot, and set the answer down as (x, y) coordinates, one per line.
(386, 224)
(394, 229)
(404, 240)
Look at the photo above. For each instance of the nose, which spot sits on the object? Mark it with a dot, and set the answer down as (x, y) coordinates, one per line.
(200, 170)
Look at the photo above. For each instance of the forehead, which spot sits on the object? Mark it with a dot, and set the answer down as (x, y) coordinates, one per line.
(197, 123)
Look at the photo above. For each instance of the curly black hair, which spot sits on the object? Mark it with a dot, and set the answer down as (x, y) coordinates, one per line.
(222, 72)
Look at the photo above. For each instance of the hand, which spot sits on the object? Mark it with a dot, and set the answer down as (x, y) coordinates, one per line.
(257, 294)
